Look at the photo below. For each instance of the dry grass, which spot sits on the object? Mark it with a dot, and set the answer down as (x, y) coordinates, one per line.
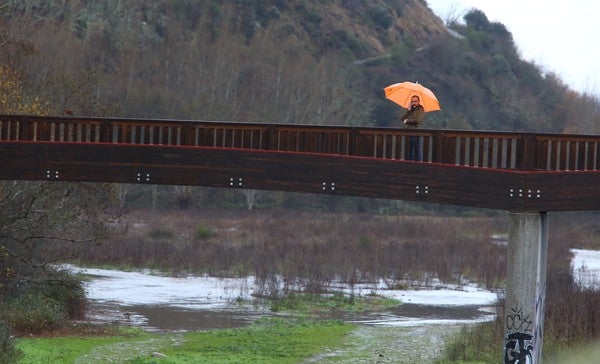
(314, 248)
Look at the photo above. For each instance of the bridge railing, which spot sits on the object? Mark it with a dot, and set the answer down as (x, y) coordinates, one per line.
(563, 152)
(486, 150)
(503, 150)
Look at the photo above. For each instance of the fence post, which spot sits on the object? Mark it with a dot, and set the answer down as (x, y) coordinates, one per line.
(527, 151)
(437, 147)
(105, 131)
(525, 287)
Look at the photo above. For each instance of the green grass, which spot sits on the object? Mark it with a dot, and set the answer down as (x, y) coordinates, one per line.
(313, 303)
(67, 349)
(269, 340)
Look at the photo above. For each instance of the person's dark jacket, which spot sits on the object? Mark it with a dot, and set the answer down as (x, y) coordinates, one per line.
(413, 117)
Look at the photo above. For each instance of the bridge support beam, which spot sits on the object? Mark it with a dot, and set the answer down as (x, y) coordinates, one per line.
(525, 287)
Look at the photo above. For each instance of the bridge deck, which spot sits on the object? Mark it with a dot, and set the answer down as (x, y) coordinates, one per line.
(498, 170)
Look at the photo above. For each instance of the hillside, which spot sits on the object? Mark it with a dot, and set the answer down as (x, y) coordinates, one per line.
(323, 62)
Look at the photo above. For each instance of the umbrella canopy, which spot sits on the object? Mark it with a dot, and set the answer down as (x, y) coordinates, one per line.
(400, 93)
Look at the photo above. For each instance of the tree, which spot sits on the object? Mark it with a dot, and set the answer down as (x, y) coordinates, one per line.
(477, 20)
(584, 114)
(14, 99)
(252, 197)
(184, 196)
(36, 216)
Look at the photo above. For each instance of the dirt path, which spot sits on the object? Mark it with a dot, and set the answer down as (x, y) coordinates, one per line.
(377, 344)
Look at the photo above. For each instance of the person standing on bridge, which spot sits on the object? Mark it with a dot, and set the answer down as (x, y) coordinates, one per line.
(413, 118)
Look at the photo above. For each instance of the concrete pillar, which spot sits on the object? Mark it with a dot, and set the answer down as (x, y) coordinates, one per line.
(525, 287)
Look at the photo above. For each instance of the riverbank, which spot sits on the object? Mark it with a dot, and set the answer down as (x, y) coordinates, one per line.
(403, 335)
(319, 246)
(173, 311)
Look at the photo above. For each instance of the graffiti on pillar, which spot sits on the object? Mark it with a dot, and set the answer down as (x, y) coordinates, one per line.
(518, 321)
(518, 344)
(538, 331)
(518, 348)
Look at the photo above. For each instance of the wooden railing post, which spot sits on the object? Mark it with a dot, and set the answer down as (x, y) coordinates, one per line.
(527, 158)
(22, 130)
(353, 142)
(270, 142)
(436, 153)
(105, 131)
(187, 138)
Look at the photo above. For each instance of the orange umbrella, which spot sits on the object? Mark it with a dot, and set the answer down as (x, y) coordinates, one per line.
(400, 93)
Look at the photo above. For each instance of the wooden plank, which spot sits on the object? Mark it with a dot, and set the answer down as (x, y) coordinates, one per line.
(299, 172)
(563, 191)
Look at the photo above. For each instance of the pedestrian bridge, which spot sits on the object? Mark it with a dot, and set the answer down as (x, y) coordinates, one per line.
(497, 170)
(527, 174)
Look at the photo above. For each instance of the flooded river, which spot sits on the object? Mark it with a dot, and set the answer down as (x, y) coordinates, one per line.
(157, 302)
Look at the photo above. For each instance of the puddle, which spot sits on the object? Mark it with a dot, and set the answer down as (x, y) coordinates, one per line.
(165, 318)
(409, 315)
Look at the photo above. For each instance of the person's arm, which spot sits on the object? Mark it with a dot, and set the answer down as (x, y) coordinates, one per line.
(405, 116)
(418, 116)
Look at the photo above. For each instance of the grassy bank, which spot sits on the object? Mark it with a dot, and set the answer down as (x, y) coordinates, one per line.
(268, 340)
(68, 347)
(337, 302)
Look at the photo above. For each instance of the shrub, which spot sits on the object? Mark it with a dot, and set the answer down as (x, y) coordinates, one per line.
(479, 343)
(33, 313)
(380, 16)
(203, 233)
(342, 38)
(44, 305)
(67, 290)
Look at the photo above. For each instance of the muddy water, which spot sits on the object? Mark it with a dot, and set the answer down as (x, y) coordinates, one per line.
(166, 318)
(156, 302)
(409, 314)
